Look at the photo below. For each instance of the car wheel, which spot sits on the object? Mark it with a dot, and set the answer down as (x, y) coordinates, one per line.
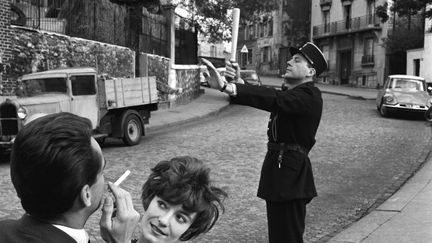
(132, 130)
(383, 110)
(428, 114)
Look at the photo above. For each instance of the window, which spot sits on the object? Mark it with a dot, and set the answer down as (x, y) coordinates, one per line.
(270, 27)
(368, 47)
(45, 85)
(261, 27)
(213, 51)
(265, 54)
(347, 13)
(370, 11)
(417, 67)
(326, 51)
(243, 59)
(251, 32)
(249, 56)
(83, 85)
(326, 20)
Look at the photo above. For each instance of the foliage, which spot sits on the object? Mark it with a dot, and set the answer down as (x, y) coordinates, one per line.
(381, 12)
(406, 36)
(411, 7)
(214, 17)
(403, 40)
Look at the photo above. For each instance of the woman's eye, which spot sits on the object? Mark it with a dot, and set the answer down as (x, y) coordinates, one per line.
(162, 204)
(181, 219)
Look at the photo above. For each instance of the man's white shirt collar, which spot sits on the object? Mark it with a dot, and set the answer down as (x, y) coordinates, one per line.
(79, 235)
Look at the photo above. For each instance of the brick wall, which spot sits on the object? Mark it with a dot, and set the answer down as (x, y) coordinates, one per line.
(5, 39)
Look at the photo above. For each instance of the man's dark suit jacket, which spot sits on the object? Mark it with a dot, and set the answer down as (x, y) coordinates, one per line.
(29, 229)
(294, 119)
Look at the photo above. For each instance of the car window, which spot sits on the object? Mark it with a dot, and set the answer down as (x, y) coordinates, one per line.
(407, 85)
(248, 75)
(33, 87)
(83, 85)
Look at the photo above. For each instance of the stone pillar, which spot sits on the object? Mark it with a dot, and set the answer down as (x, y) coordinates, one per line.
(170, 15)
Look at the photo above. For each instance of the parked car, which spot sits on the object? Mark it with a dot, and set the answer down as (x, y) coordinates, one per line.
(250, 77)
(403, 93)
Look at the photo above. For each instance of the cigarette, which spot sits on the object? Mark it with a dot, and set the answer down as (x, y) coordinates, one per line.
(122, 178)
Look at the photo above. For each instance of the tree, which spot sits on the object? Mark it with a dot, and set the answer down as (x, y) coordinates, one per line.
(381, 12)
(214, 18)
(409, 8)
(406, 35)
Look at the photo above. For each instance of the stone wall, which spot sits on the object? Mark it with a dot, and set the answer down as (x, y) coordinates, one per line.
(188, 81)
(35, 51)
(5, 38)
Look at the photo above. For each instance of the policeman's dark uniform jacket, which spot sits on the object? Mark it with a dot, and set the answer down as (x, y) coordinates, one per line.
(295, 115)
(286, 173)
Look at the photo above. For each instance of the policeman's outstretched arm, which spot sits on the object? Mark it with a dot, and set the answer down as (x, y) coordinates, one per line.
(118, 227)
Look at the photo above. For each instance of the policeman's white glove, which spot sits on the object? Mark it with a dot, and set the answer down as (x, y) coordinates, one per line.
(215, 80)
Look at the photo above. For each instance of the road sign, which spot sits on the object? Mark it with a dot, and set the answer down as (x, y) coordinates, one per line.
(244, 49)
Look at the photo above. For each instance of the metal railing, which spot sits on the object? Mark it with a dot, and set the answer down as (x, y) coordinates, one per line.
(352, 25)
(325, 2)
(368, 60)
(38, 14)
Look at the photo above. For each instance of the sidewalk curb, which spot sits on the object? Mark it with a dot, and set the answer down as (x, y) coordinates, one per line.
(159, 127)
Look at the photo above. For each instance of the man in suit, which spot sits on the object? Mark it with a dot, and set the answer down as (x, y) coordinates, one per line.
(57, 169)
(286, 182)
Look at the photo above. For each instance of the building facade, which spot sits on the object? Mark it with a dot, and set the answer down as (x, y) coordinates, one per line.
(351, 37)
(419, 60)
(263, 42)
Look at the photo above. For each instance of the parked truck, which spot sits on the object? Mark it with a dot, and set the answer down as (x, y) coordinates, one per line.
(116, 107)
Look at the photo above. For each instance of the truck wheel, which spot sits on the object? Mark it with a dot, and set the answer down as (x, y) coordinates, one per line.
(132, 130)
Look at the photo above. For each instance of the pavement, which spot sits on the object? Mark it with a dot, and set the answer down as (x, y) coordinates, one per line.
(404, 217)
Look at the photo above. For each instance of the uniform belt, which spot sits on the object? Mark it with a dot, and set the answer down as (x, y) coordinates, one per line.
(286, 147)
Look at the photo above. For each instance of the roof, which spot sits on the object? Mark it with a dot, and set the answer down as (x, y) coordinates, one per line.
(406, 76)
(60, 71)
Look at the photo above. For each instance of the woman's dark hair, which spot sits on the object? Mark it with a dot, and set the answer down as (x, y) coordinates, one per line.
(185, 181)
(52, 159)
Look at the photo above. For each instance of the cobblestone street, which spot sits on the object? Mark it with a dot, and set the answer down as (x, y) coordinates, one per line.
(359, 160)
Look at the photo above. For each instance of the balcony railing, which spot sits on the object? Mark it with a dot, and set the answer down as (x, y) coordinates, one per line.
(368, 60)
(341, 27)
(325, 2)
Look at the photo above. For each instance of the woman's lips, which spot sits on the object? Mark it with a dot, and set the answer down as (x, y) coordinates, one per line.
(157, 230)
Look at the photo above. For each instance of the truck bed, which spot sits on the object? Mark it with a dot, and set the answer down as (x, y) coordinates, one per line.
(124, 92)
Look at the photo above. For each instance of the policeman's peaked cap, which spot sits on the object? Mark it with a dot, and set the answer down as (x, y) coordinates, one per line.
(314, 56)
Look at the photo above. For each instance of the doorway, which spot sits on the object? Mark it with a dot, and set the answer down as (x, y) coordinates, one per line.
(345, 66)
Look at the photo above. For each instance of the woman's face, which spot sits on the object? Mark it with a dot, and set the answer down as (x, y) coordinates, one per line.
(164, 222)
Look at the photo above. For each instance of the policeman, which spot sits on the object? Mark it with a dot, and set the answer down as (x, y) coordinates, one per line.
(286, 182)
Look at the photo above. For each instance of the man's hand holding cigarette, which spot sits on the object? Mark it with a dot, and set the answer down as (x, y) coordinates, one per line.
(118, 227)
